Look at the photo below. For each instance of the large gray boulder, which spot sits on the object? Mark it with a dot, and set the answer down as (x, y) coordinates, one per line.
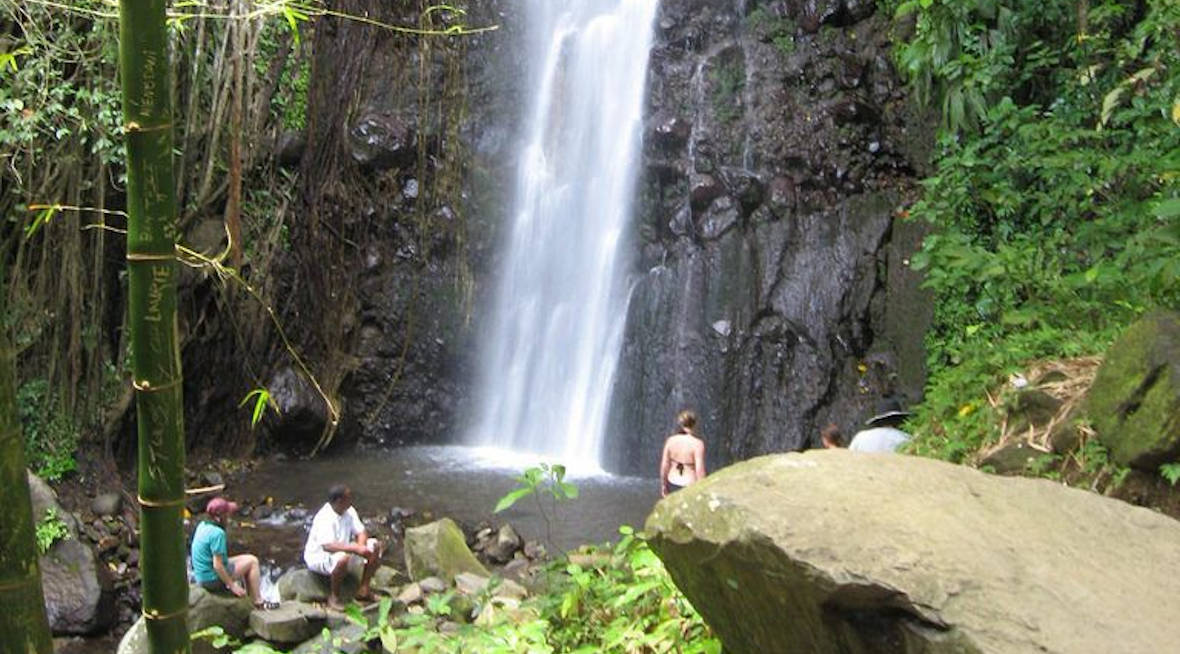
(205, 609)
(834, 551)
(1134, 403)
(79, 596)
(439, 549)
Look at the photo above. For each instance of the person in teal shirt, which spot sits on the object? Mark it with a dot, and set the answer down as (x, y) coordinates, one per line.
(213, 567)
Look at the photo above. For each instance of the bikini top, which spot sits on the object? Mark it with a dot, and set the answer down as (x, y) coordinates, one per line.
(680, 465)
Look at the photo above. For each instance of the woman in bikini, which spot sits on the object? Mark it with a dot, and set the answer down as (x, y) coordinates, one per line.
(683, 460)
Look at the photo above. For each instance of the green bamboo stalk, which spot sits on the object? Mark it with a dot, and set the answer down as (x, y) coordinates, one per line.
(155, 353)
(24, 629)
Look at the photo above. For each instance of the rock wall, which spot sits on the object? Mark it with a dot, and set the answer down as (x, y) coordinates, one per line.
(770, 287)
(772, 292)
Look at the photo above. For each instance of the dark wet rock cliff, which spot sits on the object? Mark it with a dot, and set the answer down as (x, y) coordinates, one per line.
(772, 290)
(770, 293)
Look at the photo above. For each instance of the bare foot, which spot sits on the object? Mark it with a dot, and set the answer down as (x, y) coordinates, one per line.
(364, 595)
(334, 604)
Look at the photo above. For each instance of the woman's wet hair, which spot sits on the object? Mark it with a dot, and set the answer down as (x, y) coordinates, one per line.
(831, 434)
(687, 420)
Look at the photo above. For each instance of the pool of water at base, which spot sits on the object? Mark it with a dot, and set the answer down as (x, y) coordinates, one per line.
(443, 481)
(457, 482)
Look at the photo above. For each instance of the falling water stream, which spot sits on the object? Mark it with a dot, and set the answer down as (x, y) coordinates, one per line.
(557, 321)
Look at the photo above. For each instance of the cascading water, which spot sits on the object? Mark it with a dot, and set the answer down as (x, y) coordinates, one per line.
(557, 322)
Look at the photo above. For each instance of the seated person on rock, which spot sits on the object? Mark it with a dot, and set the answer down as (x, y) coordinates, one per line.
(213, 568)
(683, 460)
(882, 434)
(337, 536)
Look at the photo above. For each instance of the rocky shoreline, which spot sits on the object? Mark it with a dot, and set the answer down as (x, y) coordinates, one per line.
(92, 580)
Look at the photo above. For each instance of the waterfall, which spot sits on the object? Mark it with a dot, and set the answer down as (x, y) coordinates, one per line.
(557, 323)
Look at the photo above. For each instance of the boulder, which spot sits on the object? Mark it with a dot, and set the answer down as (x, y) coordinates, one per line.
(833, 552)
(292, 622)
(205, 610)
(1134, 402)
(107, 504)
(79, 596)
(303, 585)
(302, 413)
(439, 549)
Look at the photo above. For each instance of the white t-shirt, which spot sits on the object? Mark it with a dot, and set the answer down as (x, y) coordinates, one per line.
(878, 439)
(331, 527)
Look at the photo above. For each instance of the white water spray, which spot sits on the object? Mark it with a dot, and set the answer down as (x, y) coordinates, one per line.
(557, 323)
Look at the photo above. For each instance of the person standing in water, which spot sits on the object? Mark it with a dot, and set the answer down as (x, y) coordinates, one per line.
(683, 460)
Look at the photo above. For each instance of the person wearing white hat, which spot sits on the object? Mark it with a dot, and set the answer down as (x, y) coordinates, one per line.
(883, 433)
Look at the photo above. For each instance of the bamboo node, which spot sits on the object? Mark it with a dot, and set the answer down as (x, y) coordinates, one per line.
(160, 504)
(145, 386)
(145, 256)
(156, 615)
(136, 127)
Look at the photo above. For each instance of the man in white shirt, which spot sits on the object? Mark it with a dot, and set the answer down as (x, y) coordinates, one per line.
(882, 434)
(336, 536)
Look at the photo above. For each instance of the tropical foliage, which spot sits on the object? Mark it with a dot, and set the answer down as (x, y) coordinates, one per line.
(1056, 192)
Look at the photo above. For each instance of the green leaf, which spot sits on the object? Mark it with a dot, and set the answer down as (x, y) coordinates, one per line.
(511, 498)
(1169, 208)
(356, 615)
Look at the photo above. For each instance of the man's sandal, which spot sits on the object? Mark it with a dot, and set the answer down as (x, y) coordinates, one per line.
(266, 606)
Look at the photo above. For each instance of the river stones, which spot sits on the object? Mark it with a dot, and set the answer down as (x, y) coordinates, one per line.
(833, 551)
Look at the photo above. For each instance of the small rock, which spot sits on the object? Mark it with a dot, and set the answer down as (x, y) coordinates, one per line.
(504, 545)
(432, 585)
(107, 544)
(410, 594)
(534, 550)
(470, 583)
(107, 504)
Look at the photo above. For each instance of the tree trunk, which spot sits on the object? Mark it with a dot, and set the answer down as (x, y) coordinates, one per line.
(23, 625)
(155, 352)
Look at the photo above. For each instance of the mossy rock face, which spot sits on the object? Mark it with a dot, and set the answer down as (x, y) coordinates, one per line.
(1134, 403)
(439, 549)
(838, 552)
